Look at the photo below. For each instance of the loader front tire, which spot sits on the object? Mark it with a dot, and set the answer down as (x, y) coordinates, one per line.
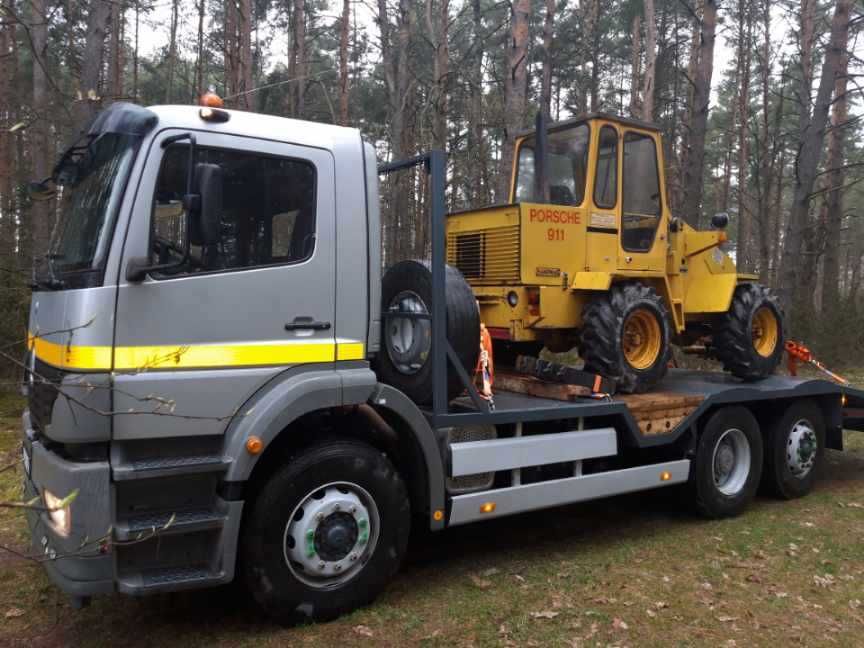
(625, 337)
(748, 339)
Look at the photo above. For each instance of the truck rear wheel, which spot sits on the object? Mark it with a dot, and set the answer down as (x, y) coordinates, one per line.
(625, 336)
(725, 473)
(748, 339)
(406, 333)
(326, 533)
(796, 446)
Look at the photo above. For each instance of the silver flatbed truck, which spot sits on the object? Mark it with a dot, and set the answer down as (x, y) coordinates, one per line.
(204, 404)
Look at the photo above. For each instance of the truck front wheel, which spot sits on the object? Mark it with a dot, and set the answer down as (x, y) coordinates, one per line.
(326, 533)
(725, 473)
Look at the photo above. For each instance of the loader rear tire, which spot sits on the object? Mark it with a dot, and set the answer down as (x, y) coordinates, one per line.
(625, 337)
(405, 359)
(748, 339)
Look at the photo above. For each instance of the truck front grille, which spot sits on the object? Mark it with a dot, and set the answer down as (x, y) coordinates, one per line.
(486, 255)
(42, 392)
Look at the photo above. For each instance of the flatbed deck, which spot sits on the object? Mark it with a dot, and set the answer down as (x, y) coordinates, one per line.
(693, 391)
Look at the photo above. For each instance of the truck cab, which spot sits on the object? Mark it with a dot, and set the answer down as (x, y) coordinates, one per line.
(157, 340)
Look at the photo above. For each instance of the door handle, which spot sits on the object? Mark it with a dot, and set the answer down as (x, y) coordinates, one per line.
(308, 324)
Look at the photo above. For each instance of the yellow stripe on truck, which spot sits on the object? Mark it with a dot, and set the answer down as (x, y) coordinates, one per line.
(194, 356)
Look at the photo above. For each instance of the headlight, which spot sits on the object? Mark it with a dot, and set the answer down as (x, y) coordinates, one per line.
(59, 512)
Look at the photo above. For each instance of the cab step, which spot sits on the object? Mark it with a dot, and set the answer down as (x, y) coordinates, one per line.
(154, 523)
(165, 579)
(170, 466)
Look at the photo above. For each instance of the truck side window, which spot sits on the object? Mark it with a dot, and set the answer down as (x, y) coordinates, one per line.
(606, 180)
(268, 211)
(641, 193)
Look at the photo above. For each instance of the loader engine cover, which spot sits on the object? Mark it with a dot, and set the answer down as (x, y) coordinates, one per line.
(405, 360)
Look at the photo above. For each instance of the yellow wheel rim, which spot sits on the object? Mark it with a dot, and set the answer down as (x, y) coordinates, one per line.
(642, 339)
(765, 331)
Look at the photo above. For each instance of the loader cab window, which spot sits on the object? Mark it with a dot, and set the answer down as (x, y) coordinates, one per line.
(568, 162)
(641, 213)
(268, 212)
(606, 180)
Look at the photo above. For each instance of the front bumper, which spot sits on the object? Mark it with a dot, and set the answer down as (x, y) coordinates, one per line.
(79, 564)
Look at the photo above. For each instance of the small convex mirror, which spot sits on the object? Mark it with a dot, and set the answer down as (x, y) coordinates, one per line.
(720, 220)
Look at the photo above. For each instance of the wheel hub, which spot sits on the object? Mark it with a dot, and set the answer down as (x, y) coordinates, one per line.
(336, 536)
(331, 535)
(801, 448)
(408, 328)
(731, 462)
(765, 331)
(641, 339)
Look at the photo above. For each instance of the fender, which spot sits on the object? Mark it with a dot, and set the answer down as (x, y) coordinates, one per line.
(391, 399)
(287, 397)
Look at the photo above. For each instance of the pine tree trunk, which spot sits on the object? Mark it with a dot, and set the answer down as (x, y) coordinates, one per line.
(115, 53)
(836, 178)
(546, 84)
(172, 52)
(649, 79)
(635, 65)
(515, 86)
(41, 149)
(92, 59)
(809, 155)
(745, 44)
(199, 59)
(298, 56)
(479, 190)
(343, 62)
(438, 29)
(246, 98)
(135, 51)
(695, 166)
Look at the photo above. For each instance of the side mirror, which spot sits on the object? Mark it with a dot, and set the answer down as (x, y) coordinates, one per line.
(720, 220)
(208, 181)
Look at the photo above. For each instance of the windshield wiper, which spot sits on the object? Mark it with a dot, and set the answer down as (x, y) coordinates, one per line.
(53, 282)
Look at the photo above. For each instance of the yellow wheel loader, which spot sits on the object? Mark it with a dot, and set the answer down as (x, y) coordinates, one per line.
(586, 253)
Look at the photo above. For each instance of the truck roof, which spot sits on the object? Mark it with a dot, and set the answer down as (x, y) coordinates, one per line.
(249, 124)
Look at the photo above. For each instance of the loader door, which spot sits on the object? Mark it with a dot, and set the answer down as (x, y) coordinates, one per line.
(641, 205)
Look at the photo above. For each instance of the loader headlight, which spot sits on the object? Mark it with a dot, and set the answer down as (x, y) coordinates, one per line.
(512, 298)
(59, 512)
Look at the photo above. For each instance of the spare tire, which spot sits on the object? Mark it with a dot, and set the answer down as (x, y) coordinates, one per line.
(405, 359)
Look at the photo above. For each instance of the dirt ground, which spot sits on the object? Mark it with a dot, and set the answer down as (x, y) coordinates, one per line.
(627, 571)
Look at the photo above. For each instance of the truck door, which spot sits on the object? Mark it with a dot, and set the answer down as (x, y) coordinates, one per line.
(192, 343)
(640, 248)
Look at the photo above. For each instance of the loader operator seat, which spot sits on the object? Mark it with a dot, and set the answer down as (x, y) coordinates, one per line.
(561, 195)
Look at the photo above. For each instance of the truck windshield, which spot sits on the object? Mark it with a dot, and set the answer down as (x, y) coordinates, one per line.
(91, 186)
(568, 164)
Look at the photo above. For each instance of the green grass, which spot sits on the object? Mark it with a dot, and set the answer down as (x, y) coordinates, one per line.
(633, 570)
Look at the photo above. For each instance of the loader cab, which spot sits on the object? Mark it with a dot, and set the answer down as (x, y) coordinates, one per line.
(611, 168)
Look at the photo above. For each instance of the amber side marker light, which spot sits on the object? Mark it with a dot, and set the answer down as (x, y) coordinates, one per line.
(254, 445)
(487, 507)
(842, 400)
(438, 515)
(665, 475)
